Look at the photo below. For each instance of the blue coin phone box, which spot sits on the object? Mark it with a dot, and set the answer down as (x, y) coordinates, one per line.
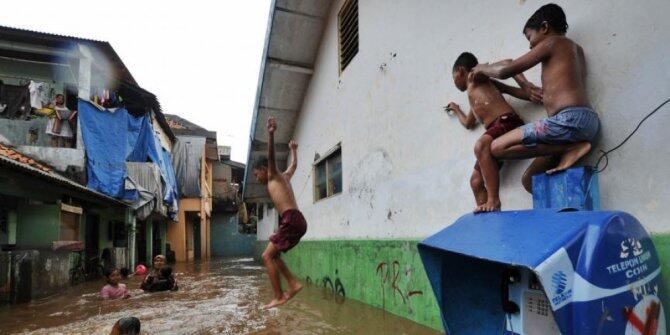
(547, 270)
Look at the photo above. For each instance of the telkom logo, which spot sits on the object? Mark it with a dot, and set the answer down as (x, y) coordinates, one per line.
(559, 281)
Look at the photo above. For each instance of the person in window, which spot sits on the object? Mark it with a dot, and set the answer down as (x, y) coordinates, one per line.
(59, 127)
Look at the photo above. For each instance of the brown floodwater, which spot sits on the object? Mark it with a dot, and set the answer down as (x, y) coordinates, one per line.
(217, 297)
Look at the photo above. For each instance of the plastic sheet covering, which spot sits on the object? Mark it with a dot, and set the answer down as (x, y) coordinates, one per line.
(113, 137)
(146, 178)
(186, 155)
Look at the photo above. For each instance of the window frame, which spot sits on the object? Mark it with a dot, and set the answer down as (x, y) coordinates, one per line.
(328, 156)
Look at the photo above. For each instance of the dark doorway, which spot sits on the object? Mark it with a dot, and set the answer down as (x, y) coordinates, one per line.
(196, 240)
(156, 245)
(141, 242)
(92, 243)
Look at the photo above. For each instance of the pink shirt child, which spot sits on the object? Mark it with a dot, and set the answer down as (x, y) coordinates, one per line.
(111, 292)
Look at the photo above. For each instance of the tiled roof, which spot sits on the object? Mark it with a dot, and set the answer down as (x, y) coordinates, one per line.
(21, 158)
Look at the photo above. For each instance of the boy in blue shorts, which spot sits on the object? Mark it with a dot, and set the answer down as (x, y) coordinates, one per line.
(571, 127)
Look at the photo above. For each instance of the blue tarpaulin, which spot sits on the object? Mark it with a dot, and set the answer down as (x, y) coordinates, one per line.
(594, 266)
(114, 137)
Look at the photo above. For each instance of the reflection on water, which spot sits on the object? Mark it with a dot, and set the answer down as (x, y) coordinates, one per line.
(218, 297)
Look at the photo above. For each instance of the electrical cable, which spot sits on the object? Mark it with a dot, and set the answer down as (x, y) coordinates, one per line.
(604, 154)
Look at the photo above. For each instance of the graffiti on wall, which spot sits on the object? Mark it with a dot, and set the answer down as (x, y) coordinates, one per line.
(332, 290)
(389, 277)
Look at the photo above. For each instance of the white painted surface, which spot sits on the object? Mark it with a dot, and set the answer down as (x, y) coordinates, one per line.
(406, 164)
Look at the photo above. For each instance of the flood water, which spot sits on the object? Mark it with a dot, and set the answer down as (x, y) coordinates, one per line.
(218, 297)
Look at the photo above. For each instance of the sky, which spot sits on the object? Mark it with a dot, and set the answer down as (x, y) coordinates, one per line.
(201, 58)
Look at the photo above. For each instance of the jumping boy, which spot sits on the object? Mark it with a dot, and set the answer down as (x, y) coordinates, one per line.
(488, 106)
(571, 125)
(292, 225)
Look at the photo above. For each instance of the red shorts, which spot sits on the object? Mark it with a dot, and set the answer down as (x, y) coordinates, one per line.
(502, 125)
(292, 227)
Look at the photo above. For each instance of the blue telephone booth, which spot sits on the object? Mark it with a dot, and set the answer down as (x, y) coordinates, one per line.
(546, 271)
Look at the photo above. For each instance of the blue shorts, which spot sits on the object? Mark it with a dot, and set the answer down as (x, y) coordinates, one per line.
(573, 124)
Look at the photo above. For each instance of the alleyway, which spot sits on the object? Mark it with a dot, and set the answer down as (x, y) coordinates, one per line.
(220, 297)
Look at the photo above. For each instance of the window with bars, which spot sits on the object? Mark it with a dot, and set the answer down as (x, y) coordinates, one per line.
(328, 175)
(348, 32)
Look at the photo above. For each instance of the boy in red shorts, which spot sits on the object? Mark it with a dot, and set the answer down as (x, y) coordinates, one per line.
(292, 225)
(488, 106)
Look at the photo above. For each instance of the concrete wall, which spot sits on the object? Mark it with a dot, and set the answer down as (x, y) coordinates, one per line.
(38, 225)
(58, 158)
(406, 164)
(33, 274)
(16, 131)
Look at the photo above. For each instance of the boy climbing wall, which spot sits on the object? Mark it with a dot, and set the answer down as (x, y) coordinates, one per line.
(292, 225)
(571, 125)
(488, 106)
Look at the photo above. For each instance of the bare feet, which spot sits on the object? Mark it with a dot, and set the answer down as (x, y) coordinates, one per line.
(489, 206)
(295, 288)
(571, 156)
(275, 303)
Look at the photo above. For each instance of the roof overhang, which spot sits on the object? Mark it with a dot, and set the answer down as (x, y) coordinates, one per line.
(292, 42)
(53, 178)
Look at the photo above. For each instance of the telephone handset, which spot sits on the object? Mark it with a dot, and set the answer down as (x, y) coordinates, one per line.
(510, 276)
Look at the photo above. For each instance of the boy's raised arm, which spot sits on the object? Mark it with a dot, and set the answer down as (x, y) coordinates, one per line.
(509, 68)
(293, 146)
(272, 165)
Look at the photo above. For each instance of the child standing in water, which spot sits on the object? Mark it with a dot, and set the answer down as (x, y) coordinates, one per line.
(114, 288)
(561, 139)
(488, 106)
(292, 225)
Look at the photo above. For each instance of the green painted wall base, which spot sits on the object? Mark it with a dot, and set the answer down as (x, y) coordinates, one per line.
(387, 274)
(662, 244)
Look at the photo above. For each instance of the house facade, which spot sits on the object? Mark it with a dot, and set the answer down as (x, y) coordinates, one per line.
(194, 153)
(79, 223)
(361, 86)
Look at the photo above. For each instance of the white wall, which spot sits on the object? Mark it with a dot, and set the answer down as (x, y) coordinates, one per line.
(406, 164)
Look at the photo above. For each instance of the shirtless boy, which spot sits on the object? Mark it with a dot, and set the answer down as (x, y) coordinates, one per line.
(571, 125)
(488, 106)
(292, 225)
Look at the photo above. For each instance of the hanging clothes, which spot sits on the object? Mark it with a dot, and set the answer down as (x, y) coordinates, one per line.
(38, 94)
(17, 99)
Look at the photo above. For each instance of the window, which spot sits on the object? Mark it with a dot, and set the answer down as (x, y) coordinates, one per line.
(328, 175)
(347, 21)
(69, 226)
